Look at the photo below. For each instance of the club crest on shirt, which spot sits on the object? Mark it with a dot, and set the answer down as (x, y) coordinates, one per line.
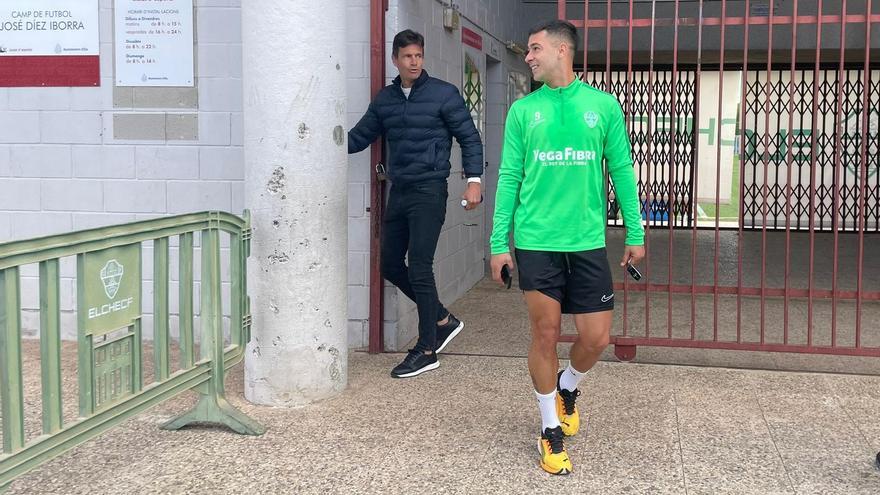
(591, 119)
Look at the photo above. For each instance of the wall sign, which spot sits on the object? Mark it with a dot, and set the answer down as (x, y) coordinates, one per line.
(49, 43)
(154, 43)
(471, 38)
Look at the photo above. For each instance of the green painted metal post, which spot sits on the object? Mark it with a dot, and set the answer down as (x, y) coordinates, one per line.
(246, 300)
(85, 376)
(213, 406)
(237, 299)
(109, 278)
(137, 358)
(161, 344)
(11, 391)
(50, 345)
(84, 348)
(185, 290)
(212, 313)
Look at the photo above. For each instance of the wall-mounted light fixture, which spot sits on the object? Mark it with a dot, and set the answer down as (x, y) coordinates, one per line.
(515, 48)
(451, 17)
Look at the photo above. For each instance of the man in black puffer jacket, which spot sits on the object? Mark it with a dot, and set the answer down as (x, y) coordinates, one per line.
(419, 115)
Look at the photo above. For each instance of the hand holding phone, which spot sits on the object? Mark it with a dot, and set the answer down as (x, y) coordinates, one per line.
(505, 276)
(633, 271)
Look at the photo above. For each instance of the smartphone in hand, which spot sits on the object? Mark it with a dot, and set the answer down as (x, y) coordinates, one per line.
(505, 276)
(633, 271)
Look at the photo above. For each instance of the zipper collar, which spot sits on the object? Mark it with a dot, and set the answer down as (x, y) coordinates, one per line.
(561, 94)
(562, 91)
(423, 78)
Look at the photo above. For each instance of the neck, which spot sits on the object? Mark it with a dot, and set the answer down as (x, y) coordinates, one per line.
(561, 79)
(407, 83)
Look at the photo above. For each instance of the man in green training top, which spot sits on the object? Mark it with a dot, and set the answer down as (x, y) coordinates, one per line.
(551, 187)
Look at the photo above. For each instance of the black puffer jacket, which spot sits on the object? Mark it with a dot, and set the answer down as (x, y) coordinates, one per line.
(419, 130)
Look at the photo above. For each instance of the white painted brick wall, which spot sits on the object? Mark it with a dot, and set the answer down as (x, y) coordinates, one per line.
(213, 60)
(220, 94)
(82, 221)
(85, 99)
(40, 160)
(5, 166)
(70, 127)
(358, 331)
(215, 129)
(217, 24)
(235, 62)
(71, 195)
(51, 99)
(19, 127)
(358, 234)
(166, 162)
(190, 196)
(5, 226)
(104, 162)
(40, 223)
(357, 66)
(61, 168)
(221, 162)
(237, 196)
(135, 196)
(20, 194)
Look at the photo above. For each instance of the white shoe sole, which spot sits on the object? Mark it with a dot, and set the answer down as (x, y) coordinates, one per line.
(432, 366)
(452, 335)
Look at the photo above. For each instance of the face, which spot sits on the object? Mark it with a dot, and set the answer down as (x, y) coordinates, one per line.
(545, 55)
(408, 61)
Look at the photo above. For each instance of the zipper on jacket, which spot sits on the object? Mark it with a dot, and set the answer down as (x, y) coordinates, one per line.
(405, 104)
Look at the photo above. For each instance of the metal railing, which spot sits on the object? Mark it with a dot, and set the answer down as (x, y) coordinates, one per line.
(109, 345)
(756, 150)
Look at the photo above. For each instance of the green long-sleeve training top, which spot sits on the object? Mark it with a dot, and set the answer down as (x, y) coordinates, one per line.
(551, 183)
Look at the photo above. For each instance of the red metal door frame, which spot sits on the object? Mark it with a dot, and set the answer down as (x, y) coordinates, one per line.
(377, 187)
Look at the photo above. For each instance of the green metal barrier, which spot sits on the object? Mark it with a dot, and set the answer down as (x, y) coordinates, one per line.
(109, 349)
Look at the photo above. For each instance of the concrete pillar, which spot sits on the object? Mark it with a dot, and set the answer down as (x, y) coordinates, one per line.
(296, 189)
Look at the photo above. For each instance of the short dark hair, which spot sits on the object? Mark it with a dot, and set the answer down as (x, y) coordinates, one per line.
(561, 29)
(405, 38)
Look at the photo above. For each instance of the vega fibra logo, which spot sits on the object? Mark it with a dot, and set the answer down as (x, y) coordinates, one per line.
(562, 158)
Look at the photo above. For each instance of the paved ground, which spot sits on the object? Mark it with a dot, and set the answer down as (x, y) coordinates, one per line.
(471, 427)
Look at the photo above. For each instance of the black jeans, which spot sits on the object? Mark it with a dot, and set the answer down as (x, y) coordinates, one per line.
(412, 223)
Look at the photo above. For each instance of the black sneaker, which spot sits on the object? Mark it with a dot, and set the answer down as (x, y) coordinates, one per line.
(447, 332)
(415, 363)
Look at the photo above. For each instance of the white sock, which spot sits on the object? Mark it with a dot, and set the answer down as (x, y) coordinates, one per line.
(547, 405)
(570, 378)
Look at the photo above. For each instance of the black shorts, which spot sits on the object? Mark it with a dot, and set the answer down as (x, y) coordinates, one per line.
(580, 281)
